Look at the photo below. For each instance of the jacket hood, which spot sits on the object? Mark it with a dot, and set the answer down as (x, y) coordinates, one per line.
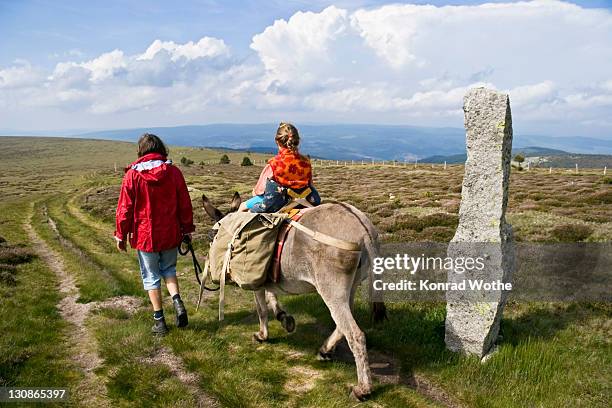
(152, 167)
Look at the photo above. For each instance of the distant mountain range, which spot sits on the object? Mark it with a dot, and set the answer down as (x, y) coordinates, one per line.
(539, 157)
(529, 151)
(347, 142)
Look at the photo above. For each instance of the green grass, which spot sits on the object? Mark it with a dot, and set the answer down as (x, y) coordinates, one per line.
(32, 343)
(551, 354)
(95, 279)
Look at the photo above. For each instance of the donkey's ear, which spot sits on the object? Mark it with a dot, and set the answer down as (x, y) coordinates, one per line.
(236, 201)
(210, 209)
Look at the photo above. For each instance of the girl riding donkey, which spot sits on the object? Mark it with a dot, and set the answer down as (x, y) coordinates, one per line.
(287, 170)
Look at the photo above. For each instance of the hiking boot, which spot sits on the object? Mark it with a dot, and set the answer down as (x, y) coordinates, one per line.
(181, 312)
(159, 327)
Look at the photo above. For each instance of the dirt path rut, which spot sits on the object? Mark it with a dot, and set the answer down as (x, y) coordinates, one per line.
(81, 341)
(92, 391)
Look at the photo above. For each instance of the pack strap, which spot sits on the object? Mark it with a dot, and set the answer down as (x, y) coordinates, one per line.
(294, 194)
(326, 239)
(206, 274)
(224, 270)
(297, 199)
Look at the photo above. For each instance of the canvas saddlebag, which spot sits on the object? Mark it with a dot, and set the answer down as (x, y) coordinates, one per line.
(244, 244)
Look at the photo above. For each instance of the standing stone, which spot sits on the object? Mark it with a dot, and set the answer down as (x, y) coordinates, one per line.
(473, 318)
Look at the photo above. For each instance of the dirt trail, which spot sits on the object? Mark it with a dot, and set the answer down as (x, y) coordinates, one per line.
(77, 213)
(190, 380)
(84, 353)
(72, 247)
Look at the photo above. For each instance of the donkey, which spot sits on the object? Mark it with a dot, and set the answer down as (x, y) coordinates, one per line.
(310, 266)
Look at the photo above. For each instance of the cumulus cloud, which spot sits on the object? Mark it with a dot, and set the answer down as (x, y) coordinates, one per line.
(301, 46)
(207, 47)
(399, 62)
(533, 94)
(20, 75)
(103, 67)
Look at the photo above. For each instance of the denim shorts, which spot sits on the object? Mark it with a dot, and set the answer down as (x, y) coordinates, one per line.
(155, 265)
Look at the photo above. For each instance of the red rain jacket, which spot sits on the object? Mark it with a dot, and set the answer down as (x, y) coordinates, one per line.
(154, 205)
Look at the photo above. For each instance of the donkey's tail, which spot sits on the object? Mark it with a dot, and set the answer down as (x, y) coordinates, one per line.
(378, 310)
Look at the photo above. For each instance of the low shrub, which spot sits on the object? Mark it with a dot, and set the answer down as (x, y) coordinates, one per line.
(405, 222)
(7, 277)
(11, 255)
(440, 220)
(384, 212)
(186, 162)
(600, 197)
(571, 232)
(405, 235)
(437, 234)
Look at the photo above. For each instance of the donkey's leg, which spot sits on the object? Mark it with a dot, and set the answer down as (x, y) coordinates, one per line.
(329, 345)
(339, 307)
(262, 313)
(285, 319)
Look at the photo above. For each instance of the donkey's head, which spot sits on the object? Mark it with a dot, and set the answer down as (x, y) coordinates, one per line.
(214, 213)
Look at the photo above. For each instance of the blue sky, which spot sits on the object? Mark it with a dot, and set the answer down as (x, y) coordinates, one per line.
(42, 31)
(74, 64)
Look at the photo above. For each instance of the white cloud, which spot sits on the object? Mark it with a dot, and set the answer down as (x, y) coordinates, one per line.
(391, 30)
(288, 46)
(100, 68)
(207, 47)
(125, 100)
(22, 74)
(530, 94)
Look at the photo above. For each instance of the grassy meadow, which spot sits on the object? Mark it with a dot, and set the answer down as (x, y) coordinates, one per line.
(65, 190)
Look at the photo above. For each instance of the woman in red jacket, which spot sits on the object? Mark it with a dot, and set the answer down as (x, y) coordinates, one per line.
(154, 212)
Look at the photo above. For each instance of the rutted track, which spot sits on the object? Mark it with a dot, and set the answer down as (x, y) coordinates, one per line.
(74, 211)
(190, 380)
(82, 341)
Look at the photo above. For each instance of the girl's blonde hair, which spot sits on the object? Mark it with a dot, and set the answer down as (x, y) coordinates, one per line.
(287, 136)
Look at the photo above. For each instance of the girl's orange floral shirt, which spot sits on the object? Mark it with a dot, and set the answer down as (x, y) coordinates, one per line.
(287, 168)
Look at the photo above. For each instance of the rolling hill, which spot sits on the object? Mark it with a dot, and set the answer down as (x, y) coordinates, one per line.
(345, 141)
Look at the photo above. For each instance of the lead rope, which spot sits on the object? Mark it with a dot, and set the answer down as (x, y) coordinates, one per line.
(197, 269)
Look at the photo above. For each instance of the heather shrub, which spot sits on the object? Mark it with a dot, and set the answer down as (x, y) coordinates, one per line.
(571, 232)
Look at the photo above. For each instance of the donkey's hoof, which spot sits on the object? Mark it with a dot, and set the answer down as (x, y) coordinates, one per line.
(259, 338)
(358, 394)
(323, 356)
(288, 322)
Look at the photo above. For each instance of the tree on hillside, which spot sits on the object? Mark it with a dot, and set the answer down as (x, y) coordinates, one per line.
(224, 159)
(519, 158)
(246, 161)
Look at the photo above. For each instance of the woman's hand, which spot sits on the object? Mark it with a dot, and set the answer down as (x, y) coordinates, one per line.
(121, 246)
